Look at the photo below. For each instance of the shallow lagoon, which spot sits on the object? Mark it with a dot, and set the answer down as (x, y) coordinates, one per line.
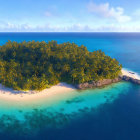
(27, 118)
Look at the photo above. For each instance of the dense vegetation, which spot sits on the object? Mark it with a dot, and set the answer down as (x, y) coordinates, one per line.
(37, 65)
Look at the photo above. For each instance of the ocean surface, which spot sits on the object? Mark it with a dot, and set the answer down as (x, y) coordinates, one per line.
(109, 113)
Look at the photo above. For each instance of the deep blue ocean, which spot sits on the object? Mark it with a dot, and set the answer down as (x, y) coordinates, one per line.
(110, 113)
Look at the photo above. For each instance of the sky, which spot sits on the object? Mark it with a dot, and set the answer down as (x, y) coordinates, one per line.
(69, 16)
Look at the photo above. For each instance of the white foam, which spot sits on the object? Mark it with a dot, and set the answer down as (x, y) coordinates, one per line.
(130, 73)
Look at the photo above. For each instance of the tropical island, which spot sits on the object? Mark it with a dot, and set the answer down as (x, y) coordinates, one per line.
(40, 65)
(34, 71)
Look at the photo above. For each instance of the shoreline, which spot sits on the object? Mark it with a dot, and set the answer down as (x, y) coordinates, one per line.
(125, 75)
(13, 95)
(9, 94)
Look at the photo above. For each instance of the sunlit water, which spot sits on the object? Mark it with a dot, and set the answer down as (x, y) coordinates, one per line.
(109, 113)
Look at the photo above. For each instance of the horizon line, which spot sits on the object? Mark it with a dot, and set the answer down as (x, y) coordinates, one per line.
(65, 32)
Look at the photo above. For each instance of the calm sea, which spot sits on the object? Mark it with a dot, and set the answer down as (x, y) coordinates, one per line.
(110, 113)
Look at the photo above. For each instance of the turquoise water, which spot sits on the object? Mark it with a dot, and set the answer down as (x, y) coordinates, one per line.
(109, 113)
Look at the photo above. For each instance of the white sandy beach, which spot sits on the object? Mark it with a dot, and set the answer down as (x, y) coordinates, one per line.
(13, 95)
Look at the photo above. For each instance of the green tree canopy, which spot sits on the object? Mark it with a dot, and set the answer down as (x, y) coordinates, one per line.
(38, 65)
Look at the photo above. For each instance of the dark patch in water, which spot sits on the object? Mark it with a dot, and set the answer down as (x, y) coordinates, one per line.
(84, 110)
(105, 96)
(62, 109)
(75, 100)
(20, 111)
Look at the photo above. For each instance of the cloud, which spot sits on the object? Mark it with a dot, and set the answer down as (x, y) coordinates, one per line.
(78, 28)
(57, 28)
(10, 27)
(119, 28)
(48, 14)
(52, 10)
(106, 11)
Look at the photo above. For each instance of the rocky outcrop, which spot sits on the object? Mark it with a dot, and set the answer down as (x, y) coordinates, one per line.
(129, 79)
(100, 83)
